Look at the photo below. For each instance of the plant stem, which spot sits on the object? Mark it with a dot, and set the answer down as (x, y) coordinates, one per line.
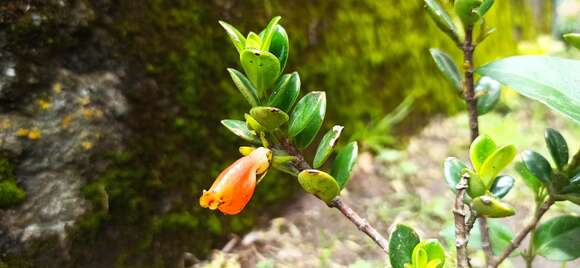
(361, 223)
(461, 229)
(515, 243)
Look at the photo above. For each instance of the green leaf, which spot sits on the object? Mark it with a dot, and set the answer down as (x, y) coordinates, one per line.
(481, 148)
(344, 163)
(466, 10)
(529, 179)
(419, 257)
(269, 117)
(496, 162)
(557, 146)
(452, 170)
(253, 41)
(550, 80)
(236, 37)
(280, 46)
(240, 129)
(558, 239)
(484, 7)
(304, 138)
(253, 124)
(245, 87)
(476, 187)
(326, 145)
(491, 207)
(285, 92)
(319, 183)
(311, 107)
(442, 19)
(269, 33)
(447, 68)
(261, 67)
(538, 166)
(434, 251)
(401, 245)
(488, 93)
(573, 39)
(502, 185)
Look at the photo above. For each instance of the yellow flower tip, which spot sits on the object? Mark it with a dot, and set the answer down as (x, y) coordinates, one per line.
(209, 200)
(263, 158)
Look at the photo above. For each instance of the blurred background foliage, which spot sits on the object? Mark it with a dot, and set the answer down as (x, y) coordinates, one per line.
(367, 55)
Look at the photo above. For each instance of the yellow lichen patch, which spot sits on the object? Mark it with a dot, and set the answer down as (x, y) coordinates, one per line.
(87, 145)
(22, 132)
(87, 113)
(65, 123)
(34, 134)
(44, 104)
(57, 88)
(84, 100)
(98, 113)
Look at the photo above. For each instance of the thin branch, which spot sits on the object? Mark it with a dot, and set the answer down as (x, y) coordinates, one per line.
(485, 240)
(515, 243)
(361, 223)
(461, 229)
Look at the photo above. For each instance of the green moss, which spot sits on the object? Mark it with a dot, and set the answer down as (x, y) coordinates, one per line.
(10, 194)
(176, 222)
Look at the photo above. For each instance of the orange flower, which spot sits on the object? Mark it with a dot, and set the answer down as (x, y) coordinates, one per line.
(234, 187)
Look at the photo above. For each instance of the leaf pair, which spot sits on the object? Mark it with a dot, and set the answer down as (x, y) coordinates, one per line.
(407, 251)
(454, 168)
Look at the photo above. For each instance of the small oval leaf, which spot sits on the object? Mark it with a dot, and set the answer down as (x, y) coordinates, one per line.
(447, 68)
(253, 41)
(442, 19)
(236, 37)
(557, 146)
(466, 10)
(326, 145)
(245, 87)
(485, 6)
(481, 148)
(319, 183)
(491, 207)
(452, 170)
(529, 179)
(269, 117)
(280, 46)
(502, 186)
(476, 187)
(495, 163)
(304, 138)
(558, 239)
(311, 107)
(538, 166)
(252, 124)
(434, 250)
(344, 163)
(268, 33)
(402, 242)
(573, 39)
(285, 92)
(261, 67)
(488, 94)
(240, 129)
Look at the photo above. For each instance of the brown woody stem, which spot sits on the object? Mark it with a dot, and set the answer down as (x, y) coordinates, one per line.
(461, 229)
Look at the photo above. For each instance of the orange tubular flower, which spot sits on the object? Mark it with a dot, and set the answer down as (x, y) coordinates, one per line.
(234, 187)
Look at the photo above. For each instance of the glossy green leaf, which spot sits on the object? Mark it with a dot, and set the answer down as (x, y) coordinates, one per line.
(245, 87)
(311, 107)
(240, 129)
(466, 10)
(538, 166)
(319, 183)
(488, 93)
(280, 46)
(326, 145)
(491, 207)
(442, 19)
(252, 124)
(236, 37)
(529, 179)
(452, 170)
(496, 162)
(434, 251)
(269, 33)
(419, 257)
(557, 146)
(285, 92)
(558, 239)
(307, 136)
(401, 245)
(502, 185)
(344, 163)
(550, 80)
(269, 117)
(481, 148)
(573, 39)
(485, 6)
(476, 187)
(253, 41)
(447, 68)
(261, 67)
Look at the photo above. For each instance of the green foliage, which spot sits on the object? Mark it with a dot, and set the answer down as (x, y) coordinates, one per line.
(10, 194)
(319, 183)
(448, 68)
(344, 163)
(402, 242)
(557, 146)
(326, 145)
(540, 78)
(558, 238)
